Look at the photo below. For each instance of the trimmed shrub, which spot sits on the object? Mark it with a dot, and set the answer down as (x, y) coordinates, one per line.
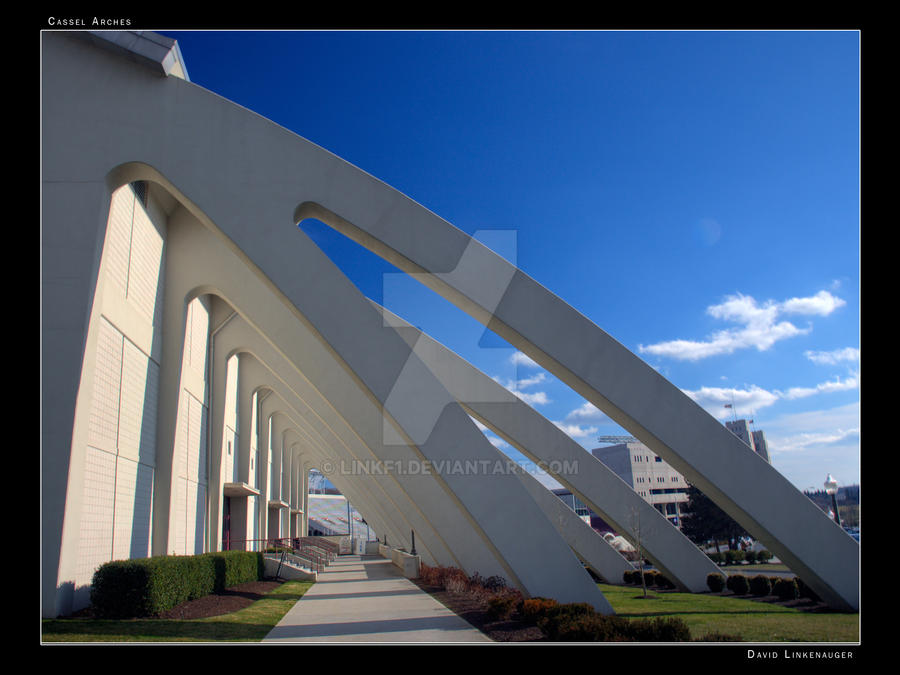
(533, 609)
(579, 623)
(659, 629)
(716, 557)
(737, 584)
(763, 556)
(501, 605)
(733, 557)
(591, 628)
(786, 589)
(148, 586)
(558, 615)
(649, 577)
(663, 581)
(760, 585)
(715, 582)
(750, 556)
(455, 580)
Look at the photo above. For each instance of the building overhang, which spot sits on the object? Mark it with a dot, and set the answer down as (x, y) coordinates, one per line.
(153, 50)
(239, 490)
(278, 504)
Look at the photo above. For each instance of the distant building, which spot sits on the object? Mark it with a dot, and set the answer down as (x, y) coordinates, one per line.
(755, 439)
(650, 476)
(654, 479)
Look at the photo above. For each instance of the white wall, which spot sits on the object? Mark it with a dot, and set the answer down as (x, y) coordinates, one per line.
(120, 454)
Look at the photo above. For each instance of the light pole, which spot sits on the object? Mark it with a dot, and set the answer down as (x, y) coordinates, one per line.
(831, 488)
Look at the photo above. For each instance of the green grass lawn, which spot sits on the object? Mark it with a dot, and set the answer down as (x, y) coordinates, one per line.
(752, 620)
(250, 624)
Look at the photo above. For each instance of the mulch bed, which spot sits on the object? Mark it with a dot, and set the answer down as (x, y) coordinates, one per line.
(230, 600)
(475, 612)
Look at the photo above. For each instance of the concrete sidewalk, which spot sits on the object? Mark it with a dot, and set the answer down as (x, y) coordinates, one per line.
(363, 598)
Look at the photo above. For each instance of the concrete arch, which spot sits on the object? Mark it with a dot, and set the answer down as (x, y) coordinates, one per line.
(287, 403)
(545, 444)
(608, 563)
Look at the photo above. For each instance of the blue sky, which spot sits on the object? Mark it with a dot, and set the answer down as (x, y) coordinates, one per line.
(694, 193)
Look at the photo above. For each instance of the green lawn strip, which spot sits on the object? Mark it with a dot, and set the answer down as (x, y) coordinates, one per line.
(752, 620)
(250, 624)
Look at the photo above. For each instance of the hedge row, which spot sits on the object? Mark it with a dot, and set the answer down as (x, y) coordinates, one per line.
(148, 586)
(760, 585)
(651, 578)
(736, 557)
(579, 622)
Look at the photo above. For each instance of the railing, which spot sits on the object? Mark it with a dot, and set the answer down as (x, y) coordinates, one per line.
(311, 555)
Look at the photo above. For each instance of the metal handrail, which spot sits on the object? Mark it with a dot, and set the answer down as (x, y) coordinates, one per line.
(312, 556)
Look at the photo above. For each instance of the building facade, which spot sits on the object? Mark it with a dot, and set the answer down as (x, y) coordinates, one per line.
(651, 477)
(658, 482)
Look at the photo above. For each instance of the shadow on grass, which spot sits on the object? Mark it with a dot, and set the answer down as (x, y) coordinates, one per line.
(152, 630)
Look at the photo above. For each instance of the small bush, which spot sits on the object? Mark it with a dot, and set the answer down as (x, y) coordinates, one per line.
(501, 605)
(786, 589)
(733, 557)
(763, 556)
(575, 623)
(554, 617)
(750, 556)
(659, 629)
(628, 576)
(760, 585)
(716, 557)
(662, 581)
(737, 584)
(715, 582)
(533, 609)
(591, 628)
(455, 581)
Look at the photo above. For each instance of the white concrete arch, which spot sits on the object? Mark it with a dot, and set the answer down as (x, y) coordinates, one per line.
(186, 238)
(331, 430)
(319, 455)
(545, 444)
(608, 563)
(608, 375)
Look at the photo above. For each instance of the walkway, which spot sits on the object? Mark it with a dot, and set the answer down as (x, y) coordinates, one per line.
(364, 598)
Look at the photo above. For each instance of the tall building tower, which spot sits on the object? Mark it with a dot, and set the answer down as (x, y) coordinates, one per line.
(755, 439)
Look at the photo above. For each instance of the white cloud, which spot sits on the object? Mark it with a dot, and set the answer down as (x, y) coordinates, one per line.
(576, 430)
(833, 357)
(531, 381)
(536, 398)
(587, 413)
(516, 387)
(851, 382)
(714, 400)
(498, 443)
(806, 441)
(759, 326)
(822, 303)
(520, 359)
